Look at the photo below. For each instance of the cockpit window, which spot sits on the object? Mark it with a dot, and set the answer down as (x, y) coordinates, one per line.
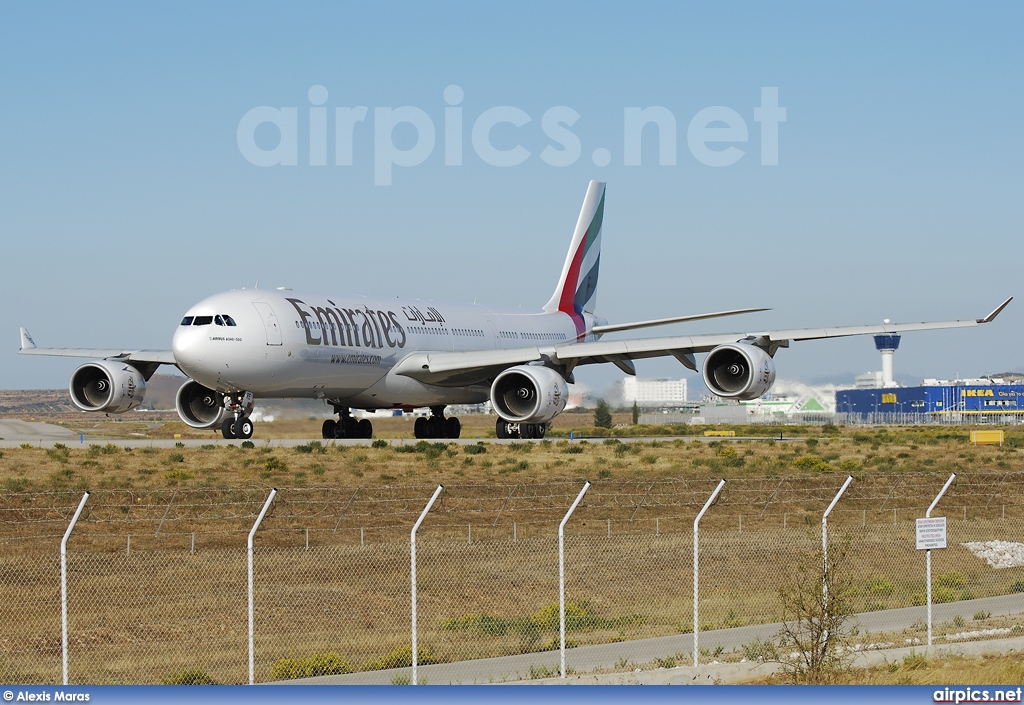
(229, 321)
(186, 321)
(218, 320)
(224, 320)
(202, 320)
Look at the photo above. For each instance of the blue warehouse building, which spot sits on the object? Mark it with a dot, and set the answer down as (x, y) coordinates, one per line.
(978, 400)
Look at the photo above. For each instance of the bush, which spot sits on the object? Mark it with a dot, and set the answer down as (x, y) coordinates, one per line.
(952, 580)
(311, 447)
(189, 676)
(380, 443)
(1018, 586)
(326, 664)
(475, 450)
(176, 458)
(272, 463)
(248, 444)
(400, 658)
(813, 463)
(879, 586)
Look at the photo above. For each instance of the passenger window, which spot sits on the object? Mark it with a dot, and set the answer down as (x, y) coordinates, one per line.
(186, 321)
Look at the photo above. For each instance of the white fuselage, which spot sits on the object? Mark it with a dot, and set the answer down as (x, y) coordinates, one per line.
(281, 343)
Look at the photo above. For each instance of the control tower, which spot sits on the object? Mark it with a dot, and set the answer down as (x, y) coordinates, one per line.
(887, 345)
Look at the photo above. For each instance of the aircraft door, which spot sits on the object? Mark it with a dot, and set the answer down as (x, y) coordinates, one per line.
(269, 319)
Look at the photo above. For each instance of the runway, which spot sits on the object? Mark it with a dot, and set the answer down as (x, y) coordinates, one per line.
(14, 432)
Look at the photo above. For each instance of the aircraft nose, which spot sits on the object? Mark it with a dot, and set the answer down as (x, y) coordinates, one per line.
(187, 349)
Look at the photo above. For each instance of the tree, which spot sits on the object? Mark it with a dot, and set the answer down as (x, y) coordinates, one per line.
(636, 414)
(602, 415)
(816, 609)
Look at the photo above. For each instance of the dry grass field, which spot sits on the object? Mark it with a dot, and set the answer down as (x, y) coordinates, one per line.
(157, 562)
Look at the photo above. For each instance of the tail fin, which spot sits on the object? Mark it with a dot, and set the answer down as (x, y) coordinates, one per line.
(576, 292)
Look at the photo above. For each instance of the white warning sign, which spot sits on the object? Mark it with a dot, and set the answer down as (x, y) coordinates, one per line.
(931, 533)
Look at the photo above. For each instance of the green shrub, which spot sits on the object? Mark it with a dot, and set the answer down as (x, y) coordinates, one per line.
(311, 447)
(475, 450)
(812, 463)
(573, 449)
(879, 586)
(400, 657)
(59, 452)
(380, 443)
(325, 664)
(189, 676)
(1018, 586)
(275, 464)
(953, 579)
(176, 458)
(248, 444)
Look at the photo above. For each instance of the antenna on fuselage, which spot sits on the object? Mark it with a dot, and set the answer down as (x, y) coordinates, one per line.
(257, 284)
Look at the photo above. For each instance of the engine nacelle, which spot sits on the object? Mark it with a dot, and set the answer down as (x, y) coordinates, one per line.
(199, 406)
(105, 385)
(529, 394)
(739, 371)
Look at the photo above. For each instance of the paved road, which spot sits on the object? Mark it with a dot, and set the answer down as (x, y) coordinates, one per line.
(612, 656)
(14, 433)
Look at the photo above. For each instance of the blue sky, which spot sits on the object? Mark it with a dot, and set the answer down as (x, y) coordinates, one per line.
(125, 197)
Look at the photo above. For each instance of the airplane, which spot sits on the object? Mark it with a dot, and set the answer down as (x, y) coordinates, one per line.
(356, 352)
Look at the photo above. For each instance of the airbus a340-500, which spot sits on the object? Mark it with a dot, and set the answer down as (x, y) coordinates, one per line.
(356, 352)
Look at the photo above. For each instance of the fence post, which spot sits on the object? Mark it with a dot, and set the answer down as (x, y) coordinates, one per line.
(824, 538)
(64, 587)
(252, 613)
(412, 551)
(561, 574)
(696, 560)
(928, 554)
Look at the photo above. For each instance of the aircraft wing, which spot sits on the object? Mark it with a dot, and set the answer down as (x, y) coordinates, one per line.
(150, 358)
(450, 368)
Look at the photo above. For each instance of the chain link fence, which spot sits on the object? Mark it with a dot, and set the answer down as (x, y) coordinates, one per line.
(157, 581)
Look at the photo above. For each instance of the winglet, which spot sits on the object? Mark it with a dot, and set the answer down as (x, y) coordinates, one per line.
(987, 319)
(26, 340)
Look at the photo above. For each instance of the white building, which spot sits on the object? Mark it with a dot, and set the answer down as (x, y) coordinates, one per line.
(653, 392)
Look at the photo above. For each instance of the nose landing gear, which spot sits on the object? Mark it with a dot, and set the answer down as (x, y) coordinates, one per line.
(346, 426)
(239, 425)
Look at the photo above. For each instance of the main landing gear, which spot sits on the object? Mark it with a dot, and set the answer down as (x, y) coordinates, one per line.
(507, 429)
(239, 425)
(346, 426)
(436, 425)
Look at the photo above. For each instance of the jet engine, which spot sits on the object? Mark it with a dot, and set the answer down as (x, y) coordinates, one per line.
(105, 385)
(199, 406)
(739, 371)
(529, 394)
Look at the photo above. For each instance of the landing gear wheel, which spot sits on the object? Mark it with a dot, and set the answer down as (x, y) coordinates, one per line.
(452, 427)
(327, 431)
(419, 427)
(507, 429)
(364, 429)
(435, 425)
(243, 428)
(227, 429)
